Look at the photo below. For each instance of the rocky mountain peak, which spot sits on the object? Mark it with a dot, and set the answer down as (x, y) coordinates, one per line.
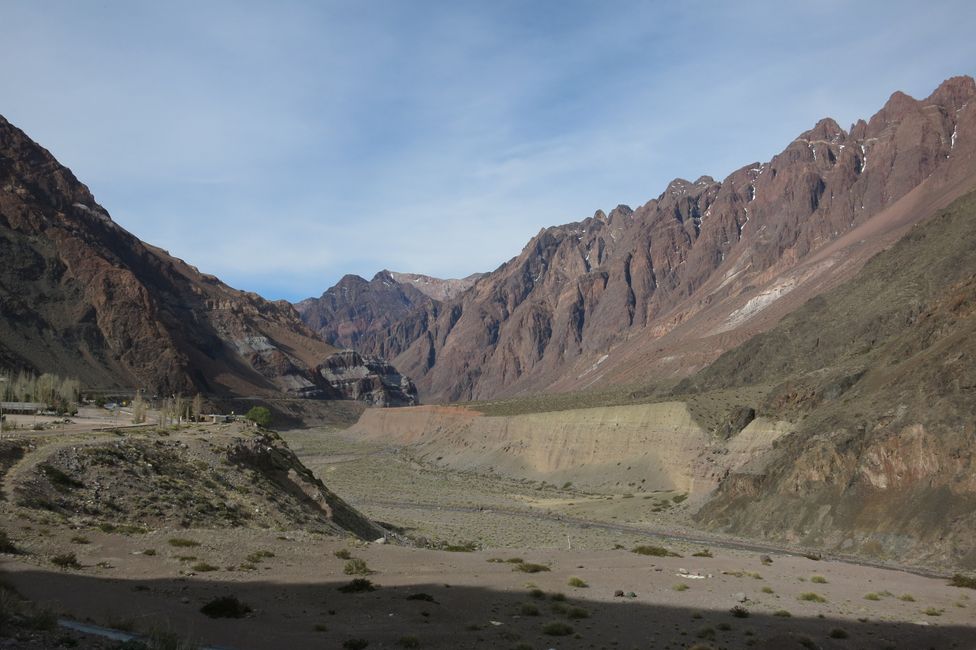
(825, 130)
(954, 93)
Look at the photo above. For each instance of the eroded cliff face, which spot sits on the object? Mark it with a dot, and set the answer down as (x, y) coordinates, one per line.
(664, 289)
(367, 379)
(83, 297)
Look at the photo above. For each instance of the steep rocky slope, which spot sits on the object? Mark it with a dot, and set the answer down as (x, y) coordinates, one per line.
(662, 290)
(368, 379)
(82, 297)
(879, 376)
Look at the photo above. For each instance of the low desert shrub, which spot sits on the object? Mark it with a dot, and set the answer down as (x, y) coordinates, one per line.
(356, 567)
(530, 567)
(226, 607)
(356, 586)
(577, 582)
(557, 628)
(66, 561)
(812, 597)
(654, 551)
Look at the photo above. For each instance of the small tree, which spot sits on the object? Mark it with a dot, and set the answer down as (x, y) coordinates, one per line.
(260, 416)
(197, 408)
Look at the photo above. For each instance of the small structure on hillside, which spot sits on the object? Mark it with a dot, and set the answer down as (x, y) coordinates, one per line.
(22, 408)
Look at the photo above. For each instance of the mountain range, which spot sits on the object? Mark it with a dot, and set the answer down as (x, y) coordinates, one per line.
(655, 293)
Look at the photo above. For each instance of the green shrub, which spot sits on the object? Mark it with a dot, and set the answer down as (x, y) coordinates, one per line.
(343, 554)
(932, 611)
(767, 590)
(537, 593)
(820, 580)
(260, 416)
(782, 613)
(702, 553)
(530, 567)
(577, 613)
(812, 597)
(78, 539)
(577, 582)
(908, 598)
(203, 567)
(739, 612)
(680, 587)
(872, 596)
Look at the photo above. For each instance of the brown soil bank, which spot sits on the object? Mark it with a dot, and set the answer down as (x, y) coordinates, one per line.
(634, 448)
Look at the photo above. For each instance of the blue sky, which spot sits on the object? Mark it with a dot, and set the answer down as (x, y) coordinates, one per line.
(280, 145)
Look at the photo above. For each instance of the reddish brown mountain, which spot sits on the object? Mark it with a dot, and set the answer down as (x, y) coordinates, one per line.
(637, 294)
(82, 297)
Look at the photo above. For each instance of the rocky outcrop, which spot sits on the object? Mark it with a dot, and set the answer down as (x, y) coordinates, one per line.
(878, 375)
(367, 379)
(663, 289)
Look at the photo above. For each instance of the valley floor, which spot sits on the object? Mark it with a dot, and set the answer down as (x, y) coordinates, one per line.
(479, 599)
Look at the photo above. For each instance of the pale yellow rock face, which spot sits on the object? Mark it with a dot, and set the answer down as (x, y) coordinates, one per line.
(644, 447)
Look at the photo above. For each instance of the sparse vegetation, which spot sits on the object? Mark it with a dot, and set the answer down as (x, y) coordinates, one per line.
(530, 567)
(872, 596)
(681, 586)
(739, 612)
(355, 644)
(908, 598)
(812, 597)
(933, 611)
(767, 590)
(226, 607)
(576, 613)
(820, 580)
(959, 580)
(782, 613)
(528, 609)
(654, 551)
(356, 586)
(577, 582)
(356, 567)
(557, 628)
(838, 633)
(66, 561)
(343, 554)
(203, 567)
(180, 542)
(79, 539)
(702, 553)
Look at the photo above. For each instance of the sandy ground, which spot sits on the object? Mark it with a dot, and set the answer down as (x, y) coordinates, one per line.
(439, 599)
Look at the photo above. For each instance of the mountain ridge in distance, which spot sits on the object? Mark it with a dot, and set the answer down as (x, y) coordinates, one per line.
(660, 291)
